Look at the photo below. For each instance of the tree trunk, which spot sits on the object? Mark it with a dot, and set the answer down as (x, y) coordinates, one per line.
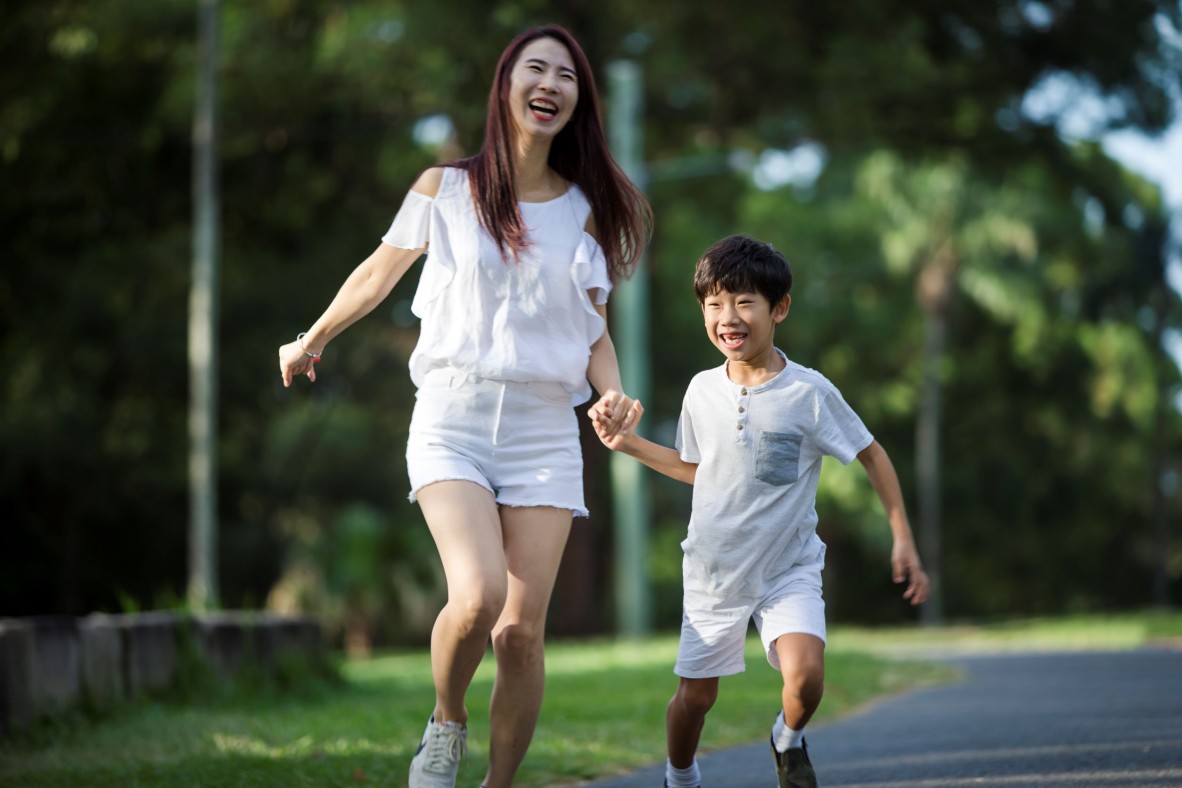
(202, 585)
(934, 292)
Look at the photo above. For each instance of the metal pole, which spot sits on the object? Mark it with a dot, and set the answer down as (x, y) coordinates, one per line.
(203, 570)
(630, 497)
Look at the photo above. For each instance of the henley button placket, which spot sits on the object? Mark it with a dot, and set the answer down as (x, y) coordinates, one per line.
(741, 424)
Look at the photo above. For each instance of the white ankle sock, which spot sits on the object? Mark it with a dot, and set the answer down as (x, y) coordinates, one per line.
(784, 737)
(683, 778)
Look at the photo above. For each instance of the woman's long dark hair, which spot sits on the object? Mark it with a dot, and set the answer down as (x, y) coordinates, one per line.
(579, 153)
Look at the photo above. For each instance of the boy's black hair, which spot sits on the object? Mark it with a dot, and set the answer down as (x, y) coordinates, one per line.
(741, 264)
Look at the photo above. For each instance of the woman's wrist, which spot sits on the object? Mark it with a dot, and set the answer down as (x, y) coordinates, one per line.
(308, 351)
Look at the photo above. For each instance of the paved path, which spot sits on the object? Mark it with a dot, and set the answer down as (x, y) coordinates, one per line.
(1091, 719)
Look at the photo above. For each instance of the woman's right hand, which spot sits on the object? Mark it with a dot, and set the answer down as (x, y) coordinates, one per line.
(294, 361)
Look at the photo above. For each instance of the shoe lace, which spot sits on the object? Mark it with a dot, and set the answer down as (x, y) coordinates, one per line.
(445, 749)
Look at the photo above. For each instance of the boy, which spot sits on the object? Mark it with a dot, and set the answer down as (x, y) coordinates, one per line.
(750, 440)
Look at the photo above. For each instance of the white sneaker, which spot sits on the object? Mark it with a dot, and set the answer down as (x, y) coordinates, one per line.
(438, 758)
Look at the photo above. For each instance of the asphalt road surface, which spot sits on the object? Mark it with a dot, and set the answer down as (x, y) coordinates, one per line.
(1068, 719)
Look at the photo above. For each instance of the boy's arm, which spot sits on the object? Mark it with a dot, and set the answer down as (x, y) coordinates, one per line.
(905, 563)
(660, 458)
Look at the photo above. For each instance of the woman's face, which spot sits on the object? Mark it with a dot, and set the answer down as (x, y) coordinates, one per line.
(543, 88)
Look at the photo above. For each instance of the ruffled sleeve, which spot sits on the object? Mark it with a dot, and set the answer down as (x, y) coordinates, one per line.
(590, 270)
(412, 226)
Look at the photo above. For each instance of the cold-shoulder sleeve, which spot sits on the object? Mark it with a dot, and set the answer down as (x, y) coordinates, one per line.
(412, 225)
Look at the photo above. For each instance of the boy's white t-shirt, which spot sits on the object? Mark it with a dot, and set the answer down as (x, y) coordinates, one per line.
(527, 320)
(759, 450)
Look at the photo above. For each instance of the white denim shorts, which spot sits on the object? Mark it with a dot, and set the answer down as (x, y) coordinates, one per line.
(520, 441)
(714, 632)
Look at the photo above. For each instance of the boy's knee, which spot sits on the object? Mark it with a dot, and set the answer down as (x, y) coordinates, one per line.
(697, 696)
(803, 671)
(805, 679)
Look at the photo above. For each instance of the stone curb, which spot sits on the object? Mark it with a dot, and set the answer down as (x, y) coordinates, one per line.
(49, 665)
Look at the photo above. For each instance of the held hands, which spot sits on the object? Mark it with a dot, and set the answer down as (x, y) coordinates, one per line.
(906, 568)
(294, 361)
(615, 416)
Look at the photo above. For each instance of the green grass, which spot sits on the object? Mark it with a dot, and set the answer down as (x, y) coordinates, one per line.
(603, 714)
(1069, 633)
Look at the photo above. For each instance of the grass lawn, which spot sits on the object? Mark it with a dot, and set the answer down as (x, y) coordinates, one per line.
(604, 713)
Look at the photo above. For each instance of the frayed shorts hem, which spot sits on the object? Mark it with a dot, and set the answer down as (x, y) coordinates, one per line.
(575, 511)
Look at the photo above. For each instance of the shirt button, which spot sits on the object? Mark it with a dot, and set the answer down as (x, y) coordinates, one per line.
(738, 426)
(743, 392)
(742, 409)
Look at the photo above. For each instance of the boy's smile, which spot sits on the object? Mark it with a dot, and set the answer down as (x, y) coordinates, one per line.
(742, 326)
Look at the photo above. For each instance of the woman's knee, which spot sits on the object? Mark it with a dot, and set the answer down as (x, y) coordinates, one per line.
(520, 641)
(477, 610)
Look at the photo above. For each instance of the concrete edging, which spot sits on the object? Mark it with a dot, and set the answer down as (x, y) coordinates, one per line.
(49, 665)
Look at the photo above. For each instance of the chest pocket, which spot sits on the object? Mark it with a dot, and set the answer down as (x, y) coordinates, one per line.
(778, 459)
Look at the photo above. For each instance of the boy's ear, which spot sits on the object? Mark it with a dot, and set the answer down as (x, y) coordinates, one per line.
(780, 310)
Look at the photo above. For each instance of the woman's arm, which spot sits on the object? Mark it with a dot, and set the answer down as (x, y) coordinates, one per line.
(365, 288)
(603, 370)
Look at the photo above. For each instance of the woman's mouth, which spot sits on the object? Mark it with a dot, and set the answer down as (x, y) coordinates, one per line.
(543, 109)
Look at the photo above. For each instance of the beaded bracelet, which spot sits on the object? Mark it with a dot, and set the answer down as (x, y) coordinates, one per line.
(300, 340)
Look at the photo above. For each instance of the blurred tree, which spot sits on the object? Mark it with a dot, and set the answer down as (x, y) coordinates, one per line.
(331, 107)
(950, 231)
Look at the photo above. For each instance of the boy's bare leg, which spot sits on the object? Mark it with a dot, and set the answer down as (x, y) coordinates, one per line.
(535, 537)
(802, 665)
(464, 522)
(685, 718)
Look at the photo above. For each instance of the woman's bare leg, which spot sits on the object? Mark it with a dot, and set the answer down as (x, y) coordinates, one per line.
(535, 537)
(466, 526)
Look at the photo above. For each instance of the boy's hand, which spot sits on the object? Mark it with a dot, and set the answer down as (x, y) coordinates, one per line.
(613, 412)
(906, 568)
(602, 414)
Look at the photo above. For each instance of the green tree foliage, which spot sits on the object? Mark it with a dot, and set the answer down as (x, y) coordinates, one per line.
(1052, 374)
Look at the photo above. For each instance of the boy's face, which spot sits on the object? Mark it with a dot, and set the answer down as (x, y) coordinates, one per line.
(742, 325)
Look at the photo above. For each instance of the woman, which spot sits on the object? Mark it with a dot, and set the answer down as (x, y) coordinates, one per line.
(525, 240)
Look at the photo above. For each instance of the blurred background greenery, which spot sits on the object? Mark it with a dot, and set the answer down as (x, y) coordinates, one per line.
(947, 241)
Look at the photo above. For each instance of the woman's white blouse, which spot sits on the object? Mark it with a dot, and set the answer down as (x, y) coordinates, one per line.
(526, 320)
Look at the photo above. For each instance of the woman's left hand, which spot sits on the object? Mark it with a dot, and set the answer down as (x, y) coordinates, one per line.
(613, 412)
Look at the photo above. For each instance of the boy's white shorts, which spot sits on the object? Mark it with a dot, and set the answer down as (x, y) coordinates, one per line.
(714, 632)
(520, 441)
